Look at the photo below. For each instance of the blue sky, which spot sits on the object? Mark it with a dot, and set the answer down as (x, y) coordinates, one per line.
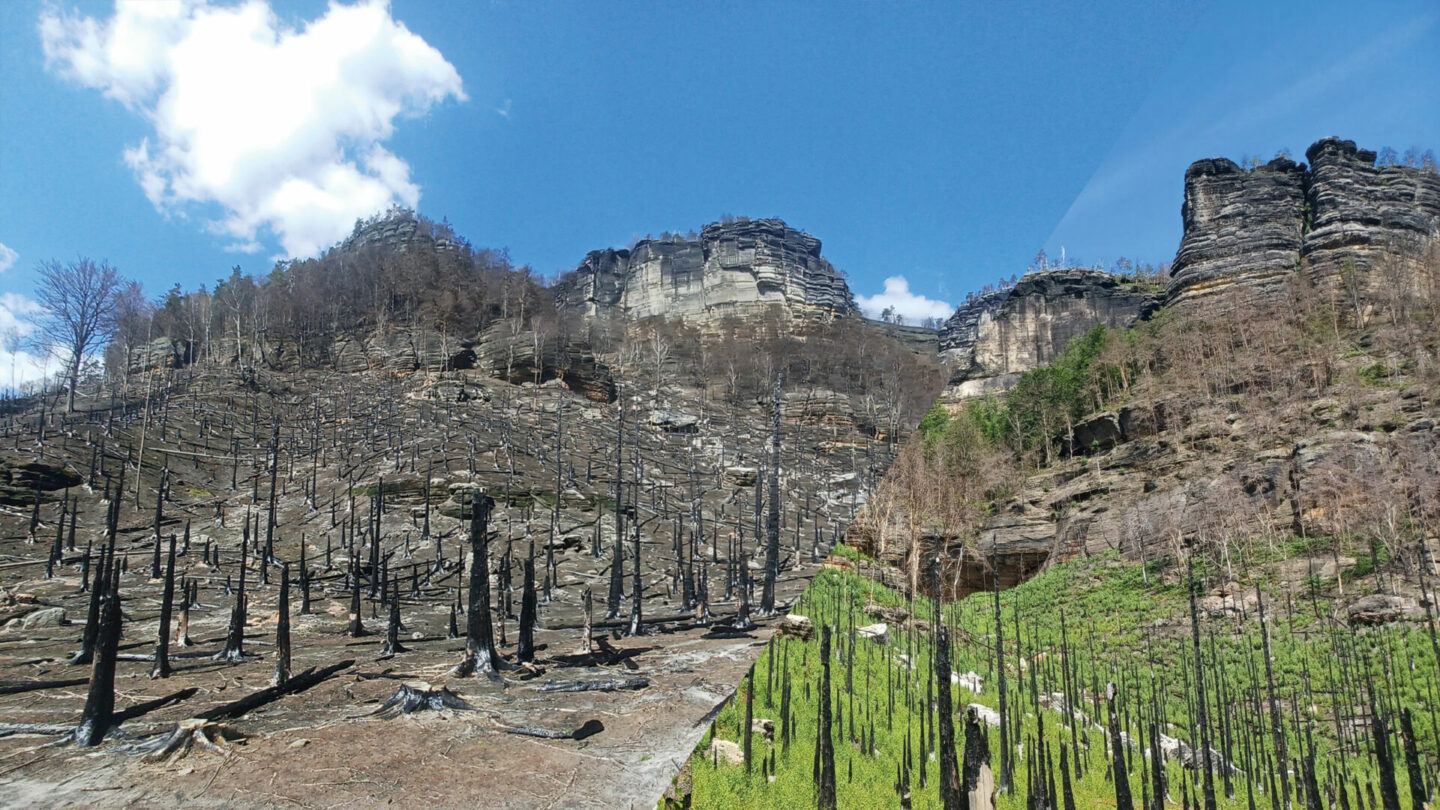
(932, 147)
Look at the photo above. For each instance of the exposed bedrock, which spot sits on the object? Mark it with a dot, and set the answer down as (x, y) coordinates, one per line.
(1371, 221)
(989, 342)
(1354, 226)
(1243, 229)
(734, 268)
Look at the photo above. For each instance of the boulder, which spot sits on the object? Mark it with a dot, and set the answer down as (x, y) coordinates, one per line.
(45, 617)
(878, 632)
(725, 752)
(970, 682)
(742, 477)
(1384, 608)
(796, 626)
(985, 714)
(1097, 433)
(675, 421)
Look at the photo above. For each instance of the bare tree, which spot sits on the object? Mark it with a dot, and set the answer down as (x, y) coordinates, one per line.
(79, 299)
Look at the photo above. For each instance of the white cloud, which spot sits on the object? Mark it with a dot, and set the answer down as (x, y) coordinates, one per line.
(280, 127)
(7, 257)
(912, 307)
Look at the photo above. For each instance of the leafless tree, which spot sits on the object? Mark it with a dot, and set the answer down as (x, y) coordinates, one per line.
(79, 300)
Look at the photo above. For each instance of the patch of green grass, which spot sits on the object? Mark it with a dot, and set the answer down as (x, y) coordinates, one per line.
(1122, 627)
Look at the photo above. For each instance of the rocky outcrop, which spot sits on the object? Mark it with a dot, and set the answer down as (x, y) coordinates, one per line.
(21, 482)
(992, 340)
(1348, 221)
(160, 353)
(736, 268)
(1243, 229)
(400, 230)
(521, 355)
(1367, 220)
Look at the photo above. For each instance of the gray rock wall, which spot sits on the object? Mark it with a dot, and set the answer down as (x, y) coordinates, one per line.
(737, 268)
(1344, 219)
(990, 342)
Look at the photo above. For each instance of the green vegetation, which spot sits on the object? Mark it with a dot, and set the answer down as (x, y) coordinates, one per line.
(1094, 621)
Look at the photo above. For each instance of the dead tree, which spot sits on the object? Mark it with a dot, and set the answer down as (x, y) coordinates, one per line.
(480, 653)
(824, 742)
(950, 796)
(636, 586)
(392, 644)
(772, 518)
(355, 629)
(528, 606)
(282, 630)
(1121, 772)
(88, 637)
(189, 593)
(617, 561)
(99, 711)
(235, 638)
(162, 635)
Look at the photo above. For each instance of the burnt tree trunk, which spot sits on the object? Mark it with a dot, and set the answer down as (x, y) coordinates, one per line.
(162, 635)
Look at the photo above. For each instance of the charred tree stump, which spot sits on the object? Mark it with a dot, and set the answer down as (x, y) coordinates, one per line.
(282, 630)
(162, 635)
(99, 711)
(528, 606)
(772, 518)
(235, 637)
(356, 628)
(825, 742)
(392, 644)
(189, 592)
(480, 653)
(976, 782)
(88, 637)
(1123, 799)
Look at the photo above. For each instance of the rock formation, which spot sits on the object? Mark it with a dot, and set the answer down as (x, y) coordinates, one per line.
(735, 268)
(991, 340)
(1242, 228)
(1351, 224)
(1365, 218)
(1355, 228)
(399, 230)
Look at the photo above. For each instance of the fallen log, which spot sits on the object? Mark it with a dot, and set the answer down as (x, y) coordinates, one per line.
(20, 687)
(608, 685)
(297, 683)
(590, 729)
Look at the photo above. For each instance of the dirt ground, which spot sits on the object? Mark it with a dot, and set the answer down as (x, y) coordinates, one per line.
(320, 749)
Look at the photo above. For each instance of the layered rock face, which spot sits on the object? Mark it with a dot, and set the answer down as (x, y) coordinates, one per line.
(992, 340)
(1371, 220)
(1352, 223)
(1243, 229)
(736, 268)
(399, 230)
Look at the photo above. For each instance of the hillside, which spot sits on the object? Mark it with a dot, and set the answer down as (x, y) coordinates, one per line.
(649, 497)
(1163, 522)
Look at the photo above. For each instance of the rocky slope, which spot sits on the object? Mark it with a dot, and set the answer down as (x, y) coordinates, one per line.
(734, 268)
(1253, 424)
(994, 338)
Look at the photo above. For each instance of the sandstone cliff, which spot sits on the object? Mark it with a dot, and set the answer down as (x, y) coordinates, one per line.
(991, 340)
(735, 268)
(1348, 222)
